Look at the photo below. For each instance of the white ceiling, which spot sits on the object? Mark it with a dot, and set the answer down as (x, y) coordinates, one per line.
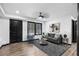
(55, 10)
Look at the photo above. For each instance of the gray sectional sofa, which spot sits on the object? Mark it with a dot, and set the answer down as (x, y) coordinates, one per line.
(54, 38)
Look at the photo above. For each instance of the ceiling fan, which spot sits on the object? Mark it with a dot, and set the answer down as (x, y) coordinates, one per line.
(40, 15)
(43, 15)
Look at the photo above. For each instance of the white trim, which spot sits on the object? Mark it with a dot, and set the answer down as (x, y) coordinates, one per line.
(2, 11)
(18, 17)
(73, 18)
(7, 15)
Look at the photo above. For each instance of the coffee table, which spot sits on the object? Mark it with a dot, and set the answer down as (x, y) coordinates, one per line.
(43, 42)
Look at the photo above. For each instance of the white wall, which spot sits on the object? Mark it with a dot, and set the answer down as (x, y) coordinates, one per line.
(24, 30)
(65, 26)
(4, 31)
(44, 27)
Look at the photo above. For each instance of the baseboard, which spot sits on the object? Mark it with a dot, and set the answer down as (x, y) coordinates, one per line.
(12, 43)
(4, 45)
(16, 42)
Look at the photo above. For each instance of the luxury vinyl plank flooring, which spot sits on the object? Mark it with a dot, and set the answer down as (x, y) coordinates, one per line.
(21, 49)
(26, 49)
(72, 51)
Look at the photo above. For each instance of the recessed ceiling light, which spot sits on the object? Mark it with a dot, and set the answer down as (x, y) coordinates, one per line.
(17, 11)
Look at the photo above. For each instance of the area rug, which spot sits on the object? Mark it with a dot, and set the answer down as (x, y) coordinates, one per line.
(52, 49)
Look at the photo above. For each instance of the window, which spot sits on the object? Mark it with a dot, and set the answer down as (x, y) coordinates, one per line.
(34, 28)
(31, 27)
(38, 28)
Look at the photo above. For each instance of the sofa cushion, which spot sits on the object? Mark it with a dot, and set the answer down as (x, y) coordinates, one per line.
(51, 35)
(57, 36)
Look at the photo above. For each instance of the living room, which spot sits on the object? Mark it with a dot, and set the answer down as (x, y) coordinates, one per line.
(52, 19)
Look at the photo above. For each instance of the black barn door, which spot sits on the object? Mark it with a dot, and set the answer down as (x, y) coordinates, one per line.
(15, 31)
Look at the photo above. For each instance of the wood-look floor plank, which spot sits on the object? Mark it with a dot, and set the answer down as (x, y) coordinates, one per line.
(71, 51)
(26, 49)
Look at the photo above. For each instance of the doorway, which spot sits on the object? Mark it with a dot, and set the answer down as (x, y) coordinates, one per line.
(74, 30)
(15, 30)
